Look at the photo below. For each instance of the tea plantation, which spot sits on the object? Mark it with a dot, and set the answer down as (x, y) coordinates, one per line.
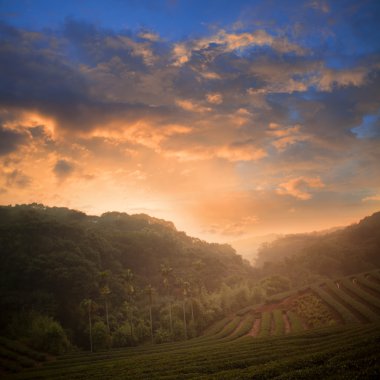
(328, 331)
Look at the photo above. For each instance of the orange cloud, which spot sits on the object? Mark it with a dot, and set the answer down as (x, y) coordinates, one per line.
(142, 49)
(189, 105)
(229, 42)
(286, 136)
(330, 78)
(372, 198)
(300, 187)
(231, 153)
(214, 98)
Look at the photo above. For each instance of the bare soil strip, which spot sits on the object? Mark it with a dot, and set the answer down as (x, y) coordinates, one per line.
(286, 322)
(256, 327)
(237, 327)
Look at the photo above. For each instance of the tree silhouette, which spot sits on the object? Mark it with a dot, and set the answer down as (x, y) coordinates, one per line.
(149, 291)
(105, 292)
(129, 304)
(88, 305)
(167, 276)
(185, 287)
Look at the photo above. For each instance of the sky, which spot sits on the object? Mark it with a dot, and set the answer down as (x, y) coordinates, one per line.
(230, 118)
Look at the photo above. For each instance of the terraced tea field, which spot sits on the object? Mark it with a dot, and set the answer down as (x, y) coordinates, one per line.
(330, 330)
(15, 356)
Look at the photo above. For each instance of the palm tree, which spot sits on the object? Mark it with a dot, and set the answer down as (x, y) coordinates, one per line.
(150, 290)
(130, 292)
(198, 266)
(88, 305)
(130, 310)
(185, 294)
(105, 292)
(166, 273)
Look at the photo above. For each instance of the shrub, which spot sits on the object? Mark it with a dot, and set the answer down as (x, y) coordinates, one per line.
(122, 337)
(46, 334)
(100, 336)
(162, 336)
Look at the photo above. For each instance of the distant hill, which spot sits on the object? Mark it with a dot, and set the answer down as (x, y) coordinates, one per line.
(304, 257)
(249, 246)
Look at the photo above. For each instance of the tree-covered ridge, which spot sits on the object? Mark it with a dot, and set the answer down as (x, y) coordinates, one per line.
(305, 258)
(64, 265)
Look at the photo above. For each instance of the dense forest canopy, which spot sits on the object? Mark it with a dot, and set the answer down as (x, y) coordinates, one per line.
(125, 279)
(54, 258)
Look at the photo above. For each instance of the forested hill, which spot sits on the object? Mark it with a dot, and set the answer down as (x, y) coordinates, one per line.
(304, 256)
(54, 258)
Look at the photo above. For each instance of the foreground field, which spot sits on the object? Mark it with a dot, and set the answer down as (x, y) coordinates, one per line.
(337, 352)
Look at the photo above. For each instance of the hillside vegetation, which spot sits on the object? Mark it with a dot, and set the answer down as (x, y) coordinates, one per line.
(72, 282)
(128, 278)
(305, 258)
(337, 321)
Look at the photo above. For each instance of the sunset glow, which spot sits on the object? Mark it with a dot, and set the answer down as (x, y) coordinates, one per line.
(230, 119)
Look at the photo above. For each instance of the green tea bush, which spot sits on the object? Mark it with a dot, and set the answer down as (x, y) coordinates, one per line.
(355, 289)
(266, 318)
(349, 300)
(279, 324)
(313, 311)
(346, 315)
(368, 283)
(295, 322)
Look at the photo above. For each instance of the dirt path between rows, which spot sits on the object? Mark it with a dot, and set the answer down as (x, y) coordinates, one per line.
(256, 328)
(286, 322)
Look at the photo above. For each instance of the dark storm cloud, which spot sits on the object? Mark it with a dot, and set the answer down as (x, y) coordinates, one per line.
(91, 45)
(86, 77)
(10, 140)
(36, 75)
(63, 168)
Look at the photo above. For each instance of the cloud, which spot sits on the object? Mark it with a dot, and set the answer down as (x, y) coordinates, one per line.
(329, 78)
(286, 136)
(63, 168)
(192, 106)
(10, 140)
(375, 198)
(17, 178)
(150, 36)
(41, 78)
(224, 42)
(137, 49)
(214, 98)
(319, 5)
(234, 228)
(216, 127)
(239, 151)
(300, 187)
